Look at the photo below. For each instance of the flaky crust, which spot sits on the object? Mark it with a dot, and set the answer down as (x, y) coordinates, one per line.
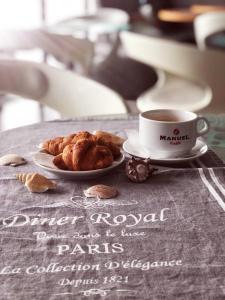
(113, 148)
(109, 137)
(56, 146)
(85, 155)
(59, 163)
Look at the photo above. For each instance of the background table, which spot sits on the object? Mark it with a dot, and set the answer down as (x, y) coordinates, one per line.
(162, 239)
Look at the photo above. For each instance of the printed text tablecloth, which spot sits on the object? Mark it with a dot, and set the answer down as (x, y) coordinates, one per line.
(162, 239)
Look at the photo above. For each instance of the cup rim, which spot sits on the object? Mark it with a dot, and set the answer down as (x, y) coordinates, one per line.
(194, 116)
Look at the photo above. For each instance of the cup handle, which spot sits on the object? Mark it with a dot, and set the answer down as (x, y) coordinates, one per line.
(205, 129)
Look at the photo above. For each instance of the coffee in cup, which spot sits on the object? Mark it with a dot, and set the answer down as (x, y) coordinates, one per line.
(170, 133)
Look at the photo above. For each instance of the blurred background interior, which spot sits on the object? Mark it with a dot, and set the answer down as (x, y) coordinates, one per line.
(93, 57)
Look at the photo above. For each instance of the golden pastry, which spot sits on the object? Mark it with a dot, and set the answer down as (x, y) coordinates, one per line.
(85, 155)
(57, 145)
(109, 138)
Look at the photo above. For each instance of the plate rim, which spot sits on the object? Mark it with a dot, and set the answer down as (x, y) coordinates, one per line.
(175, 159)
(115, 164)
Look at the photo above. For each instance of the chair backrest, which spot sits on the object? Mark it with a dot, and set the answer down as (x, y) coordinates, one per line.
(207, 25)
(181, 59)
(70, 94)
(104, 21)
(113, 15)
(65, 48)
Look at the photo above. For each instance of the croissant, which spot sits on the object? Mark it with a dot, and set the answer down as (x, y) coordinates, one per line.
(109, 137)
(59, 162)
(57, 145)
(112, 147)
(83, 156)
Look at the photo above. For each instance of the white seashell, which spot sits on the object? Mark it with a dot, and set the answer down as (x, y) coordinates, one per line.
(36, 183)
(101, 191)
(12, 160)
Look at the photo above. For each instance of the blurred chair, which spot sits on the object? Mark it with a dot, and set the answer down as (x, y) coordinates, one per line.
(174, 92)
(72, 52)
(70, 94)
(67, 49)
(210, 30)
(126, 76)
(205, 68)
(106, 21)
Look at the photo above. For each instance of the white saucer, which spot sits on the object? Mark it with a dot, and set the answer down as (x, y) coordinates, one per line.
(137, 150)
(44, 161)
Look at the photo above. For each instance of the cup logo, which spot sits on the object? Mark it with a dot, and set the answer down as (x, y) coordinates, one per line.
(175, 138)
(176, 131)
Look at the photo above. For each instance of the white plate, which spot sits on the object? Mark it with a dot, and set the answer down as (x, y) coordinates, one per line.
(137, 150)
(44, 161)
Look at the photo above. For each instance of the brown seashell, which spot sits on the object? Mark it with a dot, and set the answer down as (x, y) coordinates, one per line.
(101, 191)
(139, 170)
(109, 137)
(12, 160)
(35, 182)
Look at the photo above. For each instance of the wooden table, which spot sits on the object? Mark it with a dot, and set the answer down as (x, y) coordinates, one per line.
(187, 15)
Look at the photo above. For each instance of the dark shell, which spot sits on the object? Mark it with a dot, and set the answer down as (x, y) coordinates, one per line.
(138, 170)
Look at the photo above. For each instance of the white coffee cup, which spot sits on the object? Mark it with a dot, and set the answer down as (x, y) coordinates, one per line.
(170, 133)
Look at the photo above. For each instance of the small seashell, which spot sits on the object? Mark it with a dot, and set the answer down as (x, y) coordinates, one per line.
(101, 191)
(12, 160)
(35, 182)
(139, 170)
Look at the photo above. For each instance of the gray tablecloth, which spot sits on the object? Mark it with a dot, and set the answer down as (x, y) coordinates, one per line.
(162, 239)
